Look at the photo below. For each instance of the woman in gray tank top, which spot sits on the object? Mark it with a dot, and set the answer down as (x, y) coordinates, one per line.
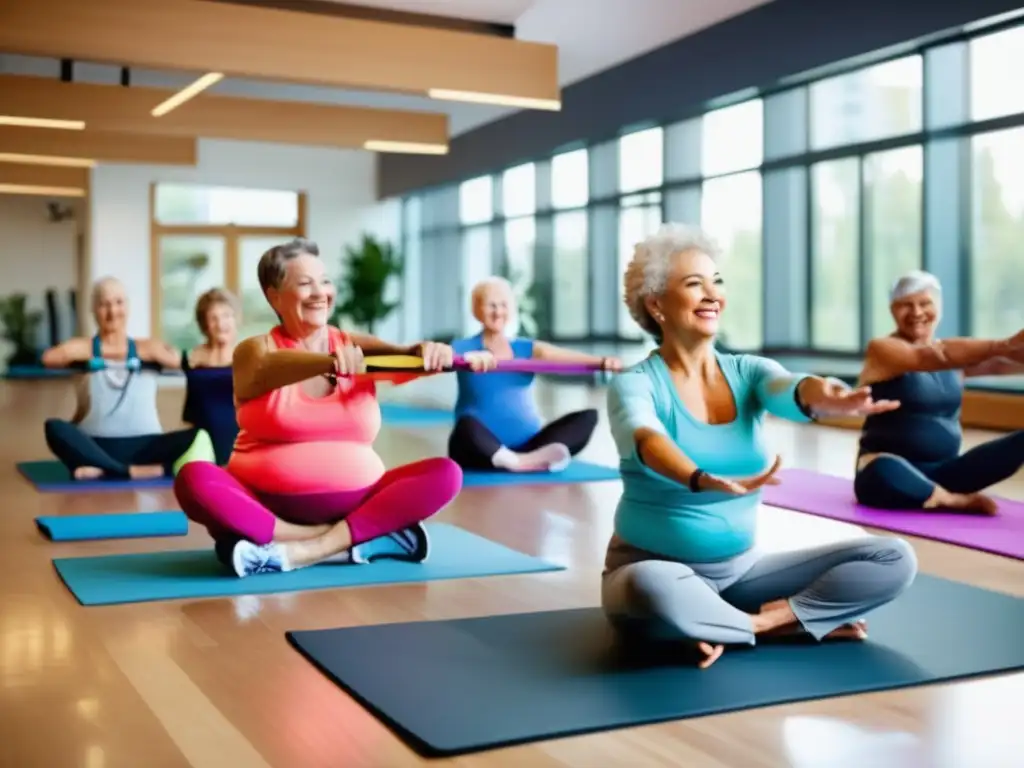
(116, 431)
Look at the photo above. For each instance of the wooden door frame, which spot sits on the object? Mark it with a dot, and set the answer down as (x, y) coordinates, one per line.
(231, 233)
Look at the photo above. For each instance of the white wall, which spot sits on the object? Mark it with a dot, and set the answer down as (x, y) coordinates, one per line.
(340, 187)
(37, 254)
(384, 221)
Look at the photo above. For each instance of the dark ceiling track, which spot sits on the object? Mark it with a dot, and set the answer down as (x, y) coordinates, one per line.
(67, 70)
(328, 8)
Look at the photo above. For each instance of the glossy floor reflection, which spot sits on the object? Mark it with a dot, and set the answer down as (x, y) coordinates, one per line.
(214, 682)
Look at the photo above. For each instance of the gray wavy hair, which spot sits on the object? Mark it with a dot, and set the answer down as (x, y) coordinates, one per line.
(274, 263)
(915, 281)
(648, 270)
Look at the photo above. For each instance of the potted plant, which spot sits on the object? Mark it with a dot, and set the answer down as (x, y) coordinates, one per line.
(20, 329)
(361, 291)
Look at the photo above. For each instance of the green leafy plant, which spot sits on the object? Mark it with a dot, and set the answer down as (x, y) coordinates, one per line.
(20, 327)
(361, 292)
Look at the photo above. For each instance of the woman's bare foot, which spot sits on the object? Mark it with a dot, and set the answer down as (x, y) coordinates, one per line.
(145, 471)
(858, 630)
(549, 458)
(711, 654)
(977, 503)
(773, 617)
(88, 473)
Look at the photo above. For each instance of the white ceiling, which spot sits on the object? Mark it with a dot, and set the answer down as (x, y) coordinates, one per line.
(591, 35)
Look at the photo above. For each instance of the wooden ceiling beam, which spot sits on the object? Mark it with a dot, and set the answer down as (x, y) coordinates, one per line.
(101, 146)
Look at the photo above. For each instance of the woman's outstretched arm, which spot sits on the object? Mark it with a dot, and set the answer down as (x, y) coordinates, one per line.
(888, 357)
(257, 369)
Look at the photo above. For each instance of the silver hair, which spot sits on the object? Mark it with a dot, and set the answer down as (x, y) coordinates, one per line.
(273, 263)
(915, 281)
(648, 270)
(100, 285)
(491, 282)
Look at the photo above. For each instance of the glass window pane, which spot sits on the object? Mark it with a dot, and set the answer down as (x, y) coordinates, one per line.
(571, 268)
(731, 212)
(997, 62)
(835, 253)
(570, 179)
(476, 200)
(893, 213)
(257, 316)
(997, 259)
(635, 223)
(641, 160)
(476, 266)
(519, 190)
(520, 236)
(874, 103)
(733, 138)
(189, 266)
(190, 204)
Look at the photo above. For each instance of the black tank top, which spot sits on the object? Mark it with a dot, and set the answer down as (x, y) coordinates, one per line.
(926, 426)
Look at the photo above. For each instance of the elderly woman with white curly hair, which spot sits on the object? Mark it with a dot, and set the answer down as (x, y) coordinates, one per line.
(910, 458)
(682, 565)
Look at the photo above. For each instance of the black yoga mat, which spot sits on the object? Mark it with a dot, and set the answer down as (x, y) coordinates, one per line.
(453, 687)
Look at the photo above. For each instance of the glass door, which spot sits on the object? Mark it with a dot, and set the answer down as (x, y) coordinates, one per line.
(189, 265)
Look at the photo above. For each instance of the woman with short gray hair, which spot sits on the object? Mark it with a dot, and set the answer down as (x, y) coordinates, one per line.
(683, 564)
(910, 458)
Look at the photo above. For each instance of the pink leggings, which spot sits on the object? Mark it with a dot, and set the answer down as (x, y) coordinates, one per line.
(403, 496)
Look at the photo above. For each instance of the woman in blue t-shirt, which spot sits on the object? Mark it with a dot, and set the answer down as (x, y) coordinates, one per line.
(683, 564)
(497, 424)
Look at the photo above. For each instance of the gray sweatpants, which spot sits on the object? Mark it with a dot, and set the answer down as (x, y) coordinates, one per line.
(828, 586)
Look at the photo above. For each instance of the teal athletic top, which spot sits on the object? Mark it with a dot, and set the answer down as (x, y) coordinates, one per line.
(502, 402)
(664, 517)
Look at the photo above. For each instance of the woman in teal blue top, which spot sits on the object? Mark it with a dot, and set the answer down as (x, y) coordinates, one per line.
(683, 564)
(497, 425)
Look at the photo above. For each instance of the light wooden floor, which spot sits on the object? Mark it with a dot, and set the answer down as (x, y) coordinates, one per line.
(214, 684)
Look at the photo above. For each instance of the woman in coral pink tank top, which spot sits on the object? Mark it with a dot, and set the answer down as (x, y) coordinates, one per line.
(304, 484)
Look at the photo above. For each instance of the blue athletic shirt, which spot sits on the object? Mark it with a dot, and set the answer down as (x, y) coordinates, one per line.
(664, 517)
(502, 402)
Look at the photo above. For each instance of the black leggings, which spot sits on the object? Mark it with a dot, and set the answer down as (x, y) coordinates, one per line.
(472, 445)
(114, 455)
(891, 482)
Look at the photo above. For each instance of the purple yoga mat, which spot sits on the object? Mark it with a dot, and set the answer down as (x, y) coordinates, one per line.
(832, 497)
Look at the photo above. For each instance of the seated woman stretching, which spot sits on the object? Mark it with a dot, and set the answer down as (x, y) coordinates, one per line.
(497, 424)
(682, 565)
(304, 484)
(209, 395)
(116, 431)
(910, 458)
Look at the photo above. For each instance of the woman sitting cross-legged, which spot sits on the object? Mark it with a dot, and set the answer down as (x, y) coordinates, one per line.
(910, 458)
(683, 564)
(303, 484)
(497, 424)
(116, 431)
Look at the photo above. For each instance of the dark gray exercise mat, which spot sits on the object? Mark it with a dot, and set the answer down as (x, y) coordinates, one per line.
(452, 687)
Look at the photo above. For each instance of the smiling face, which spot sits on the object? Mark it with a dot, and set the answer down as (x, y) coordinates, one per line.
(110, 306)
(220, 324)
(693, 300)
(493, 306)
(916, 315)
(305, 298)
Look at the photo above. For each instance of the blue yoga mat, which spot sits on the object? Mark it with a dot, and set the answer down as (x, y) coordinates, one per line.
(453, 687)
(132, 525)
(53, 477)
(576, 472)
(404, 415)
(113, 579)
(37, 372)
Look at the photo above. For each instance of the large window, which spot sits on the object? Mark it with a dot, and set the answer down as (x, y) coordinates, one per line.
(571, 270)
(520, 238)
(639, 216)
(476, 266)
(190, 204)
(997, 252)
(570, 179)
(835, 255)
(519, 191)
(893, 209)
(733, 138)
(476, 200)
(869, 104)
(731, 213)
(997, 61)
(641, 160)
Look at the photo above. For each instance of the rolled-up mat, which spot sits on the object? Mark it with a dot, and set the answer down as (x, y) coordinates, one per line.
(131, 525)
(137, 578)
(31, 372)
(576, 472)
(829, 496)
(53, 477)
(454, 687)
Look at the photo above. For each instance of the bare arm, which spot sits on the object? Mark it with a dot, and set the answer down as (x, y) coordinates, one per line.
(999, 366)
(159, 352)
(71, 351)
(257, 369)
(542, 350)
(371, 345)
(888, 357)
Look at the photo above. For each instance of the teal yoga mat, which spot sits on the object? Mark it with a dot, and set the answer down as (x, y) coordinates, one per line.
(576, 472)
(404, 415)
(132, 525)
(113, 579)
(454, 687)
(53, 477)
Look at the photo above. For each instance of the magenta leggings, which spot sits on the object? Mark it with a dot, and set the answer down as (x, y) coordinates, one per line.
(403, 496)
